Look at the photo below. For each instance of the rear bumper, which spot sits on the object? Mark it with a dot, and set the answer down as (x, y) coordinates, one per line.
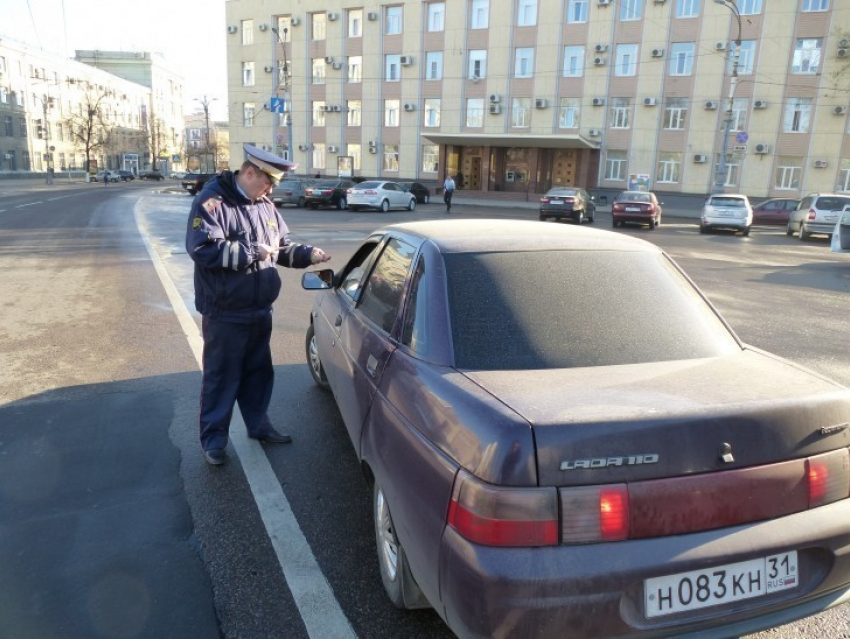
(560, 214)
(640, 218)
(725, 222)
(824, 228)
(596, 590)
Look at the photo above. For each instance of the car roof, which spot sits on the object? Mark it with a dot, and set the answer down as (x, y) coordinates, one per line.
(461, 236)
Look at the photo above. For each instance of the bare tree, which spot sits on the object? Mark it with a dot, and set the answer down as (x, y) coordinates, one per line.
(156, 139)
(89, 129)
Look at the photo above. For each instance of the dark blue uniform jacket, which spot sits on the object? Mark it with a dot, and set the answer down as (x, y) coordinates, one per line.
(232, 283)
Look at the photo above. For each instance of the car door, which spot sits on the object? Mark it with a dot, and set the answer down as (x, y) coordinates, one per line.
(395, 195)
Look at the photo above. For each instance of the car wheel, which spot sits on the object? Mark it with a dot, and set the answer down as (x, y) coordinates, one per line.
(542, 218)
(395, 573)
(580, 217)
(411, 206)
(316, 368)
(652, 225)
(426, 199)
(702, 230)
(301, 202)
(341, 204)
(804, 234)
(789, 231)
(385, 206)
(746, 232)
(315, 207)
(592, 217)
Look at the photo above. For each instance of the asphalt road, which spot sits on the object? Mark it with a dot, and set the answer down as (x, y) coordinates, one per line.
(111, 524)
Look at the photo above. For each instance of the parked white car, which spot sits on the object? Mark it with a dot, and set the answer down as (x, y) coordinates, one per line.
(380, 195)
(112, 176)
(727, 211)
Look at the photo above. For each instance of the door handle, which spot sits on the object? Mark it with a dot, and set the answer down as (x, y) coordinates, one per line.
(338, 321)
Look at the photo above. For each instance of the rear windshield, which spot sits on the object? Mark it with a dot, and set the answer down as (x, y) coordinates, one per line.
(830, 203)
(326, 184)
(731, 202)
(367, 185)
(565, 309)
(634, 197)
(563, 192)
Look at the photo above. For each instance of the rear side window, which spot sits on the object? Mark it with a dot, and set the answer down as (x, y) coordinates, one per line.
(565, 309)
(832, 203)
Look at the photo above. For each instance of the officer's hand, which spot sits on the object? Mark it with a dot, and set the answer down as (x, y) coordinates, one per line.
(318, 256)
(267, 252)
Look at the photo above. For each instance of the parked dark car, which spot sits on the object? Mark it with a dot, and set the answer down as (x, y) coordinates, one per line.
(422, 192)
(291, 191)
(665, 479)
(638, 207)
(193, 182)
(774, 211)
(567, 203)
(126, 176)
(151, 175)
(328, 193)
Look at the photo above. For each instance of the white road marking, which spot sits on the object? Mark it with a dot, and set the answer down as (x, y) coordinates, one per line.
(20, 206)
(314, 597)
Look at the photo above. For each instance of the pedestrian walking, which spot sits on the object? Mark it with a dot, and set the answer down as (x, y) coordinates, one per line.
(448, 191)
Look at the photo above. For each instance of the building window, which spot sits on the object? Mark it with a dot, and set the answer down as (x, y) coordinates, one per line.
(815, 5)
(355, 23)
(436, 16)
(318, 70)
(521, 113)
(23, 127)
(626, 65)
(319, 113)
(687, 8)
(432, 112)
(573, 62)
(568, 113)
(749, 7)
(577, 11)
(247, 32)
(284, 28)
(434, 65)
(393, 17)
(319, 22)
(732, 170)
(4, 96)
(739, 114)
(526, 13)
(620, 110)
(25, 158)
(391, 109)
(355, 110)
(631, 10)
(248, 114)
(798, 113)
(430, 158)
(682, 58)
(788, 172)
(390, 157)
(354, 151)
(844, 176)
(675, 114)
(355, 69)
(392, 68)
(806, 56)
(7, 126)
(746, 58)
(615, 165)
(475, 112)
(319, 152)
(669, 168)
(524, 62)
(480, 18)
(247, 74)
(477, 63)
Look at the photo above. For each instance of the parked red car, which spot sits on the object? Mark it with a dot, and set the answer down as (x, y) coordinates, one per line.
(637, 207)
(775, 211)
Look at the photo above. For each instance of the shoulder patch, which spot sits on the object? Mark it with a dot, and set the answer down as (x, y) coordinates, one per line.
(196, 223)
(211, 203)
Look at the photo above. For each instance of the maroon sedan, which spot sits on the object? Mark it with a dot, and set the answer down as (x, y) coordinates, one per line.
(638, 207)
(775, 211)
(563, 438)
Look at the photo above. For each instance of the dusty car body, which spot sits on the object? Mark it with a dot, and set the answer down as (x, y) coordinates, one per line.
(650, 487)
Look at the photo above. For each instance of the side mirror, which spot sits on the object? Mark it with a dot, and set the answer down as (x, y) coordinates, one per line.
(318, 280)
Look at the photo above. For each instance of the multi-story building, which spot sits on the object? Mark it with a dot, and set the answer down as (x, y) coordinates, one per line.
(527, 94)
(206, 143)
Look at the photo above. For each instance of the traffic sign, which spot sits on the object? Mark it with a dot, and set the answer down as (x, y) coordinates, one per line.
(276, 105)
(741, 137)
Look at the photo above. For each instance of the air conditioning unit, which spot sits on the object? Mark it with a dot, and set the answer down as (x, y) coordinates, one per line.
(372, 16)
(598, 60)
(540, 103)
(839, 110)
(600, 48)
(762, 148)
(329, 59)
(406, 60)
(594, 133)
(295, 21)
(303, 147)
(263, 26)
(268, 68)
(649, 102)
(336, 108)
(760, 104)
(495, 98)
(337, 65)
(699, 158)
(598, 102)
(373, 147)
(333, 149)
(327, 108)
(603, 3)
(720, 46)
(843, 53)
(821, 164)
(409, 106)
(658, 53)
(844, 43)
(232, 29)
(711, 105)
(332, 16)
(495, 109)
(659, 1)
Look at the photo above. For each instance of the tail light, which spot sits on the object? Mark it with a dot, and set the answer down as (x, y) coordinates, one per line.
(618, 207)
(595, 513)
(499, 516)
(309, 191)
(828, 477)
(350, 191)
(544, 200)
(370, 192)
(812, 214)
(650, 208)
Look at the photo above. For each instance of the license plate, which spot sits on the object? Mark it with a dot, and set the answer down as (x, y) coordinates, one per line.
(703, 588)
(726, 213)
(830, 218)
(633, 209)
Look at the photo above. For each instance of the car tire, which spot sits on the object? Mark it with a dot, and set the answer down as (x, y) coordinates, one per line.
(592, 217)
(301, 202)
(746, 232)
(652, 225)
(804, 234)
(542, 218)
(580, 218)
(385, 206)
(789, 231)
(341, 204)
(426, 199)
(317, 370)
(411, 206)
(398, 582)
(702, 230)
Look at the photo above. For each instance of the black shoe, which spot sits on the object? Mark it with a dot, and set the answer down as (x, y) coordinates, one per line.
(274, 437)
(215, 456)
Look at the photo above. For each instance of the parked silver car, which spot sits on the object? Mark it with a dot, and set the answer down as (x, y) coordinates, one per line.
(291, 192)
(816, 213)
(727, 211)
(380, 195)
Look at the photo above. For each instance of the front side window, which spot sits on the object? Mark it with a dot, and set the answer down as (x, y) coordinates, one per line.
(682, 58)
(577, 11)
(319, 113)
(746, 57)
(355, 109)
(318, 70)
(626, 60)
(524, 62)
(390, 157)
(382, 293)
(475, 112)
(432, 112)
(521, 112)
(319, 23)
(631, 10)
(430, 158)
(355, 69)
(687, 8)
(247, 74)
(248, 110)
(480, 18)
(434, 65)
(393, 16)
(788, 172)
(526, 13)
(247, 32)
(798, 113)
(615, 165)
(477, 64)
(391, 110)
(436, 16)
(620, 111)
(674, 113)
(392, 68)
(568, 113)
(669, 167)
(806, 56)
(573, 62)
(355, 23)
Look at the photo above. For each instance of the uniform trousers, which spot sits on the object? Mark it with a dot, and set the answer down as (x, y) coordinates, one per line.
(238, 367)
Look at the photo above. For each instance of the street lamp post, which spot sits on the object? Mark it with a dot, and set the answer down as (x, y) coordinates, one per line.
(720, 174)
(284, 82)
(205, 102)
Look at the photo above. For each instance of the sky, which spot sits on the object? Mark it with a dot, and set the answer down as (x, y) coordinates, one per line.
(190, 34)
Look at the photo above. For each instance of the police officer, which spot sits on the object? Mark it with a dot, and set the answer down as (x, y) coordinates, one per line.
(237, 237)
